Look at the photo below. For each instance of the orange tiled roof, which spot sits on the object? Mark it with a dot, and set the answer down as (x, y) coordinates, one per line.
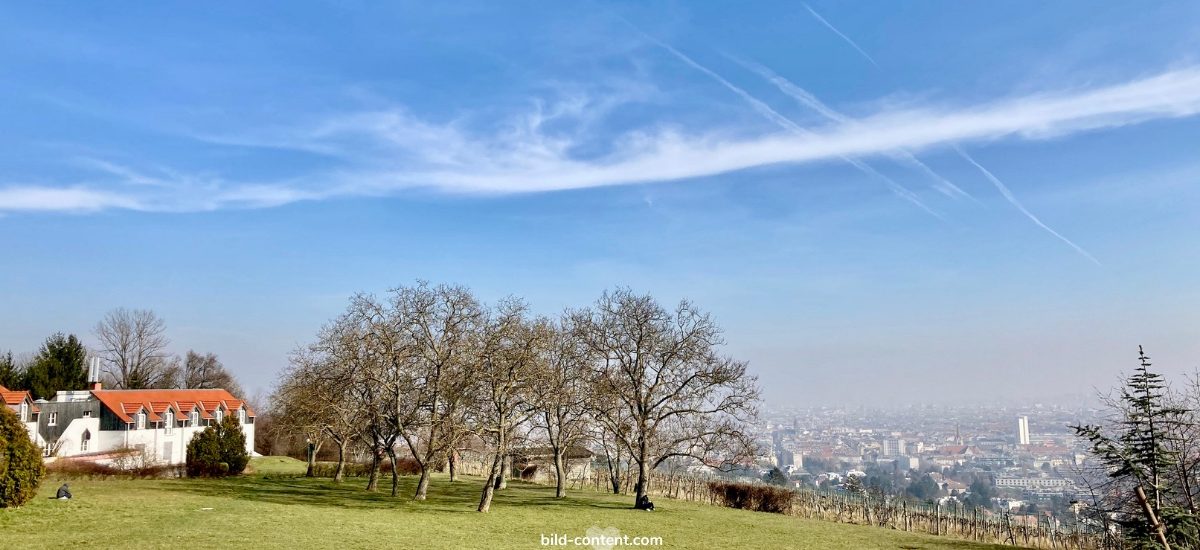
(125, 403)
(14, 397)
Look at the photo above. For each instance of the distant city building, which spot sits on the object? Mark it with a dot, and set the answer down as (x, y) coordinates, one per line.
(1033, 482)
(1023, 430)
(893, 447)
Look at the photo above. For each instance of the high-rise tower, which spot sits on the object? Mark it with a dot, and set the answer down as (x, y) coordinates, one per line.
(1022, 430)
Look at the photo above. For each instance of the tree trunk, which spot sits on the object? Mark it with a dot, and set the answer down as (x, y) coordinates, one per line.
(643, 482)
(423, 484)
(489, 486)
(560, 489)
(395, 472)
(340, 472)
(505, 468)
(614, 476)
(453, 462)
(312, 458)
(373, 480)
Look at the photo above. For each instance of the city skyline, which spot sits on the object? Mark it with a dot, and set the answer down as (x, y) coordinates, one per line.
(879, 206)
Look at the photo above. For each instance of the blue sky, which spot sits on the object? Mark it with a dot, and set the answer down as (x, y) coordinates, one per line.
(880, 202)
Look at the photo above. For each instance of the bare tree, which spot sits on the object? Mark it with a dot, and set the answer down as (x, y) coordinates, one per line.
(663, 372)
(373, 343)
(133, 344)
(431, 362)
(562, 396)
(294, 410)
(609, 435)
(512, 347)
(318, 388)
(207, 372)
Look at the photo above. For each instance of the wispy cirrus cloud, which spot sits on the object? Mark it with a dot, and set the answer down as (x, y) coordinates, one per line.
(388, 151)
(807, 99)
(73, 198)
(788, 124)
(812, 102)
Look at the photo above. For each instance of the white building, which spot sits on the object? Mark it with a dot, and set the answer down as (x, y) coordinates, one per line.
(1033, 482)
(155, 424)
(1023, 430)
(21, 402)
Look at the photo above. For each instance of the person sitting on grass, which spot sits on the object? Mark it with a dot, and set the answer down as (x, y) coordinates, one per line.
(64, 493)
(643, 503)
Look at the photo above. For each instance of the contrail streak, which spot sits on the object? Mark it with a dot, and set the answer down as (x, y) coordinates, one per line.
(806, 98)
(839, 33)
(1004, 190)
(771, 114)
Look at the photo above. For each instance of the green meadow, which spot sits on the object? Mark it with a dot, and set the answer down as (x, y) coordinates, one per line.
(270, 508)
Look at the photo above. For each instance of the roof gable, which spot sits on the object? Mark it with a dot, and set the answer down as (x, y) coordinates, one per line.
(15, 397)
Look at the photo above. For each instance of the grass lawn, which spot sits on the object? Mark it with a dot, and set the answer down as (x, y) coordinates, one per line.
(261, 511)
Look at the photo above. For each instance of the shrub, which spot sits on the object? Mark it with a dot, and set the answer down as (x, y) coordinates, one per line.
(21, 468)
(219, 450)
(85, 469)
(746, 496)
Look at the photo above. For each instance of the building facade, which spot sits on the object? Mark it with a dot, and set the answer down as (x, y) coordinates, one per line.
(1023, 430)
(155, 425)
(21, 403)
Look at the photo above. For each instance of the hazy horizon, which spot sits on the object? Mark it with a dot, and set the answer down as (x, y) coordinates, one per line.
(878, 206)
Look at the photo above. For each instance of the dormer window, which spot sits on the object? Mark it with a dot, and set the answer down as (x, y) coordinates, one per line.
(53, 419)
(241, 416)
(141, 421)
(24, 412)
(169, 421)
(220, 415)
(195, 421)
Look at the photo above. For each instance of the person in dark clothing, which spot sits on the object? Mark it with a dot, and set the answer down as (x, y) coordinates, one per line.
(64, 493)
(643, 503)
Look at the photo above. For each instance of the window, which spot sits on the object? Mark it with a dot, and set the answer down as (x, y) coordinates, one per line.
(169, 421)
(84, 440)
(220, 415)
(87, 414)
(195, 418)
(53, 419)
(241, 416)
(141, 421)
(24, 412)
(49, 450)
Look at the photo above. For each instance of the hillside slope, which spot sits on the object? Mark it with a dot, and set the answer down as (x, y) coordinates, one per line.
(261, 511)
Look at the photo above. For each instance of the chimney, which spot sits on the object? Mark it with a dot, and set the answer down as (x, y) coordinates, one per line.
(94, 374)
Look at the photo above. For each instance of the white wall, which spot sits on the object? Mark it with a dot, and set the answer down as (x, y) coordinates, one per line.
(32, 427)
(159, 446)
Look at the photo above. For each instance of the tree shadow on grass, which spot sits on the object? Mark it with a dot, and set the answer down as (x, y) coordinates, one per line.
(444, 496)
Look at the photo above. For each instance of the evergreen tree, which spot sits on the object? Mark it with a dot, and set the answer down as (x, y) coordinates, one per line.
(1142, 454)
(21, 468)
(776, 477)
(11, 374)
(219, 450)
(58, 366)
(854, 485)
